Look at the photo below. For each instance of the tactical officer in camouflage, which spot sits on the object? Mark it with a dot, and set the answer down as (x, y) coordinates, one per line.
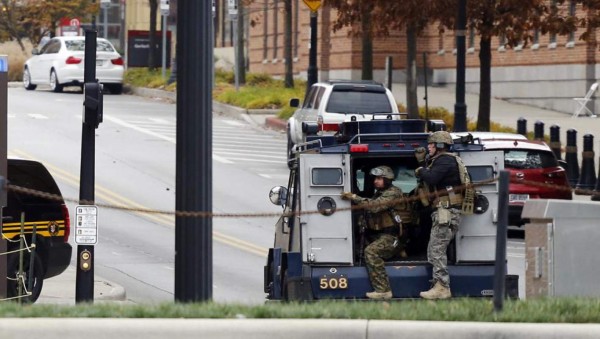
(383, 228)
(442, 173)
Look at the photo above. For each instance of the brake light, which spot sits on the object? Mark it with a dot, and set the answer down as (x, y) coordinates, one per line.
(73, 60)
(330, 127)
(359, 148)
(117, 61)
(65, 212)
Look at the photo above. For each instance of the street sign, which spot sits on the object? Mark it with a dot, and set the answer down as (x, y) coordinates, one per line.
(86, 225)
(314, 5)
(232, 5)
(164, 7)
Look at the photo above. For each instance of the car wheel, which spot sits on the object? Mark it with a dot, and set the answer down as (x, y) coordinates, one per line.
(13, 271)
(115, 88)
(27, 80)
(290, 154)
(55, 86)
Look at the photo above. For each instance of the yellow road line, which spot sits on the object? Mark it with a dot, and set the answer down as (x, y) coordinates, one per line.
(118, 200)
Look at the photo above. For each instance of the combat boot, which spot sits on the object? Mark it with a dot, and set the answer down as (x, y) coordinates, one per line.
(438, 291)
(380, 295)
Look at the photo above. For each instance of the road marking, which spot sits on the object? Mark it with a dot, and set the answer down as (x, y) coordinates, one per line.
(164, 219)
(234, 123)
(37, 116)
(156, 135)
(159, 121)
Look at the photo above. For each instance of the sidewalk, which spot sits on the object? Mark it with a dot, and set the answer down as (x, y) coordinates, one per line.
(61, 289)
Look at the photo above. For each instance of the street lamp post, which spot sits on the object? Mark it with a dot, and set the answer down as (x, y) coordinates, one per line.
(312, 75)
(460, 107)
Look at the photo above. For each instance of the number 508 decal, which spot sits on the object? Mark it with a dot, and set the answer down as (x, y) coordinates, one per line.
(333, 283)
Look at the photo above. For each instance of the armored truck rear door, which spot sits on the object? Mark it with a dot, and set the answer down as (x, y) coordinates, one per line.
(326, 231)
(476, 237)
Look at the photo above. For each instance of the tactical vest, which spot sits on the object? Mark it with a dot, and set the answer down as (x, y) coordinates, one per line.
(385, 218)
(466, 199)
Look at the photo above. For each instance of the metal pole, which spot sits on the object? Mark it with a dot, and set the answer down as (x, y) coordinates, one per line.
(389, 68)
(460, 107)
(500, 268)
(193, 236)
(105, 22)
(312, 75)
(164, 46)
(84, 280)
(236, 65)
(426, 98)
(3, 163)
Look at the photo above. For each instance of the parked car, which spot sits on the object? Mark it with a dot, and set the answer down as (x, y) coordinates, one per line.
(60, 63)
(333, 102)
(527, 161)
(51, 217)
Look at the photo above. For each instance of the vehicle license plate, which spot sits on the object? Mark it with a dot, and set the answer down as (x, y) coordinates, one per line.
(99, 62)
(518, 197)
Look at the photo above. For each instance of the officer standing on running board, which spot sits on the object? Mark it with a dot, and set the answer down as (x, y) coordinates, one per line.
(384, 227)
(444, 174)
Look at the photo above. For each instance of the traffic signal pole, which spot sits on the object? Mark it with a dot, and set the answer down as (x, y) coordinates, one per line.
(92, 116)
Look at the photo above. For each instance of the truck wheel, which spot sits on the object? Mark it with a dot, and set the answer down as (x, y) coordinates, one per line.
(13, 271)
(290, 154)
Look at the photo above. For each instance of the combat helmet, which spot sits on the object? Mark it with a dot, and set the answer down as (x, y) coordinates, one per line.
(383, 171)
(440, 137)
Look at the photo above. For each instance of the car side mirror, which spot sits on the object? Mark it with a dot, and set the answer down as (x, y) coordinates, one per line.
(278, 195)
(563, 164)
(35, 51)
(294, 102)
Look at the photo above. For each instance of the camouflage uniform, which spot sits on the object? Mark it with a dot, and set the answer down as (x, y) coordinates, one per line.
(442, 174)
(441, 235)
(382, 235)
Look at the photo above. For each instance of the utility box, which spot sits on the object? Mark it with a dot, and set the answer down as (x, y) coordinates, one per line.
(561, 248)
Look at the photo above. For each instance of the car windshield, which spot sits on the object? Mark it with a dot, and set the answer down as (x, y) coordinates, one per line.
(79, 46)
(362, 102)
(529, 159)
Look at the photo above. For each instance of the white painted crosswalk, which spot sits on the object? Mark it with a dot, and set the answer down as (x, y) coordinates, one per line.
(234, 141)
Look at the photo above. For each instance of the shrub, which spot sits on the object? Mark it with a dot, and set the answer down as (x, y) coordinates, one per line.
(16, 58)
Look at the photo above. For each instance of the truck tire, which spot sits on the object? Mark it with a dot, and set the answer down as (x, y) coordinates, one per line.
(290, 154)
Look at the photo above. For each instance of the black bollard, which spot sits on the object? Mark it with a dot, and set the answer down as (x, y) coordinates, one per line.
(555, 141)
(522, 126)
(596, 193)
(538, 130)
(571, 157)
(587, 179)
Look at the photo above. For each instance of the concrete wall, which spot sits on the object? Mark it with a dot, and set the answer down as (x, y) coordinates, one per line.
(546, 86)
(561, 246)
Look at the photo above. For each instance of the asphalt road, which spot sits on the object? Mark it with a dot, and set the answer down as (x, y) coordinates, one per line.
(135, 166)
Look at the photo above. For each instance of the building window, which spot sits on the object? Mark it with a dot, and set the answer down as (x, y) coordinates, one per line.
(471, 48)
(536, 39)
(502, 43)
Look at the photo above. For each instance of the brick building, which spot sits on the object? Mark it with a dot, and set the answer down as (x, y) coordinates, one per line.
(548, 73)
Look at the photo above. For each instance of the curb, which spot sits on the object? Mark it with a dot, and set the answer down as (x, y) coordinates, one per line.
(97, 328)
(115, 292)
(276, 123)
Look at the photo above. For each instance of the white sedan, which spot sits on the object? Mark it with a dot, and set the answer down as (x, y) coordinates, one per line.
(60, 63)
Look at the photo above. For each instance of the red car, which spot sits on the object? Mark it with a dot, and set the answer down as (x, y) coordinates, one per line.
(528, 161)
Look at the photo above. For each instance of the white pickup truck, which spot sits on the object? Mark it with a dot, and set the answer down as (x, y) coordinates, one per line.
(336, 101)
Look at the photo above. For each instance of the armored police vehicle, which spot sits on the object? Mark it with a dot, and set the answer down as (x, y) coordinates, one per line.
(318, 247)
